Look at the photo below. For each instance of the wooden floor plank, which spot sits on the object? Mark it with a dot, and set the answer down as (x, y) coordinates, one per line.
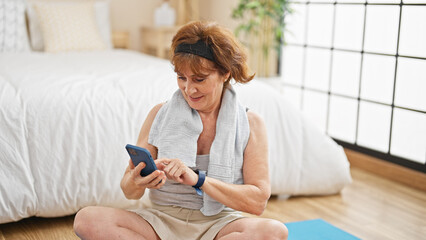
(1, 236)
(40, 228)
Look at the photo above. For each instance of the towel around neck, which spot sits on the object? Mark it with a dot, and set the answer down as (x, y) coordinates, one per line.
(175, 133)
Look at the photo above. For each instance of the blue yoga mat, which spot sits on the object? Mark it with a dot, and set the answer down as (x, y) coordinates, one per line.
(316, 229)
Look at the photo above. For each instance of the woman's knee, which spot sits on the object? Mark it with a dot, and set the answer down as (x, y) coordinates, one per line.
(273, 229)
(85, 221)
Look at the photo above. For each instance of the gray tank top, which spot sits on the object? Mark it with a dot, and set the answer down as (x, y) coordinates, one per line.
(176, 194)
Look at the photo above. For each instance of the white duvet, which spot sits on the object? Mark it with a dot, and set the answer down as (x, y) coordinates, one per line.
(65, 119)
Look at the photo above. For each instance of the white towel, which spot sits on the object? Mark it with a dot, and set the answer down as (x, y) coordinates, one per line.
(175, 133)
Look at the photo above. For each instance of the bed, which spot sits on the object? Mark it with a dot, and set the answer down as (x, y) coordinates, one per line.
(66, 117)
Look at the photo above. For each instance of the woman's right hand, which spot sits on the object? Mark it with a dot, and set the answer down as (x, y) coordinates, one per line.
(133, 184)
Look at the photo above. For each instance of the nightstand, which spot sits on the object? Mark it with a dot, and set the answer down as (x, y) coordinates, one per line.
(157, 40)
(120, 40)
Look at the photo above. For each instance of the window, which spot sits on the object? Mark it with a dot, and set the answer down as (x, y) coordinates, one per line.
(358, 70)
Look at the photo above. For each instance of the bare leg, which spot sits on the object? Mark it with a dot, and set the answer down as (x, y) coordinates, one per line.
(111, 223)
(253, 228)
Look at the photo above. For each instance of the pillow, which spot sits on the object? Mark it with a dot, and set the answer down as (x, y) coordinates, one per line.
(102, 21)
(13, 32)
(68, 27)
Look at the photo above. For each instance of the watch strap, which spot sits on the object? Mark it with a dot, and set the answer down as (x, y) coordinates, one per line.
(200, 182)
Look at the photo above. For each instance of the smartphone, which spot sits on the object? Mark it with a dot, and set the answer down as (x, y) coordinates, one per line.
(138, 154)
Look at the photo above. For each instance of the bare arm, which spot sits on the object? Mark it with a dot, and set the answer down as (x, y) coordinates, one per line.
(132, 184)
(253, 195)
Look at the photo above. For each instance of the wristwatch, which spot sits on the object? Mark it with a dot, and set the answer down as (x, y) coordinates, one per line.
(201, 179)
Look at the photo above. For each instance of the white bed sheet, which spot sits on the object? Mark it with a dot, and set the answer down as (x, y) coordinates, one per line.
(65, 119)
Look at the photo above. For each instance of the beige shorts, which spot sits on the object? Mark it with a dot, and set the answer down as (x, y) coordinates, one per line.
(172, 222)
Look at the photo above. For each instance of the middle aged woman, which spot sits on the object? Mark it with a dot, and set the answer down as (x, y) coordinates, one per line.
(211, 152)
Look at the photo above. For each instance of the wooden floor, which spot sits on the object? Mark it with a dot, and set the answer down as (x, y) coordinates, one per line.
(370, 208)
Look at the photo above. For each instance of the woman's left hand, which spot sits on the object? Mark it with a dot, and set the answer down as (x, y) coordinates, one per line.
(176, 170)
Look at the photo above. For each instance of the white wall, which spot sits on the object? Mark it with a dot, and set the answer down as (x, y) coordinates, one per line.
(130, 15)
(219, 11)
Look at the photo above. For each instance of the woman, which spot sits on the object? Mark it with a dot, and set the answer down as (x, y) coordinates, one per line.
(211, 154)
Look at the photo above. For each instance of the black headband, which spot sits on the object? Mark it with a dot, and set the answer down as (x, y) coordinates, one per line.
(199, 48)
